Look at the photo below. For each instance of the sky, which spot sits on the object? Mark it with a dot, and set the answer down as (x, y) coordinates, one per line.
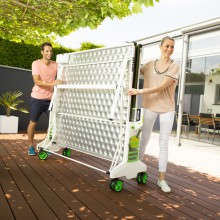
(166, 15)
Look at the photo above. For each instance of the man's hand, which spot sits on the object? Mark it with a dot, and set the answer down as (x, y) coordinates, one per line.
(56, 82)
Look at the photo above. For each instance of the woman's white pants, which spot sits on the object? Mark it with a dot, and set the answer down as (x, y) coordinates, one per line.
(166, 123)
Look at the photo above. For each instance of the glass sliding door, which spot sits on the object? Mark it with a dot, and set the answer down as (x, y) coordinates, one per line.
(203, 72)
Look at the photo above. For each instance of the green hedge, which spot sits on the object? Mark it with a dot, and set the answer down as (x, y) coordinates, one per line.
(22, 55)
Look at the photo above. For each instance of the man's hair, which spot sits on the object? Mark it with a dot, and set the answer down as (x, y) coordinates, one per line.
(45, 44)
(166, 38)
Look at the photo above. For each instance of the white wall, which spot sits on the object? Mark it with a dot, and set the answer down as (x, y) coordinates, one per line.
(209, 95)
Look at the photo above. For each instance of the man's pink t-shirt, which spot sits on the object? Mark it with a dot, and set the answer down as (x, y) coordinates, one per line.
(47, 74)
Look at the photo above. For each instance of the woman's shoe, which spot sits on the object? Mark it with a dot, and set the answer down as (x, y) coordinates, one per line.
(163, 186)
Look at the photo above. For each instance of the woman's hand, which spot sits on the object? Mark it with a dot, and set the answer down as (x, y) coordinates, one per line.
(135, 91)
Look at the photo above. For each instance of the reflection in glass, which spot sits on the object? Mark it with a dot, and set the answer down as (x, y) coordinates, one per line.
(205, 41)
(198, 68)
(213, 65)
(195, 71)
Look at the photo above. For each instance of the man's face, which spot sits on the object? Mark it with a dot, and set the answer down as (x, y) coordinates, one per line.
(47, 52)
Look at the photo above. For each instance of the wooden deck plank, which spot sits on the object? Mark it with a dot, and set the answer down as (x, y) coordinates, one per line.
(209, 196)
(191, 199)
(187, 201)
(205, 203)
(83, 194)
(96, 206)
(93, 190)
(80, 192)
(5, 210)
(70, 206)
(187, 190)
(40, 208)
(99, 203)
(129, 196)
(15, 198)
(184, 207)
(143, 192)
(22, 174)
(193, 177)
(100, 186)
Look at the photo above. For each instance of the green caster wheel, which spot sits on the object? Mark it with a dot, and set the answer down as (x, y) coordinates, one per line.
(142, 177)
(66, 152)
(42, 155)
(116, 185)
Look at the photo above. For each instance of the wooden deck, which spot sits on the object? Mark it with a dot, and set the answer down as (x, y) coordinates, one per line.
(58, 188)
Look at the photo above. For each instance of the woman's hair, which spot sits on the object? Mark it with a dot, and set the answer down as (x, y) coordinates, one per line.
(166, 38)
(45, 44)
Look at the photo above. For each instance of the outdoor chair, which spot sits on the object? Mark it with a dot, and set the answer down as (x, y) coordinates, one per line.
(217, 115)
(207, 123)
(186, 123)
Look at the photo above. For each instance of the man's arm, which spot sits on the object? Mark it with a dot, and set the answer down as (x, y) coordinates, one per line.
(39, 82)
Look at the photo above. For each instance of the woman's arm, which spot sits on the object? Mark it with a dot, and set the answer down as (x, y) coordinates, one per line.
(166, 82)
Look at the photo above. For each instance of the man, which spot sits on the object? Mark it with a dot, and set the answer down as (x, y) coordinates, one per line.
(44, 73)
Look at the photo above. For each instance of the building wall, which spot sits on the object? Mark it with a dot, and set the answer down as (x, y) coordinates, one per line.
(209, 95)
(12, 79)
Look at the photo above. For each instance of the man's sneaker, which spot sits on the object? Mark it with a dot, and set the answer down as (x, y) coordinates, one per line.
(163, 186)
(31, 151)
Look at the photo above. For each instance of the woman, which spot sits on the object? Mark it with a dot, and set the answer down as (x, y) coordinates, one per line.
(160, 80)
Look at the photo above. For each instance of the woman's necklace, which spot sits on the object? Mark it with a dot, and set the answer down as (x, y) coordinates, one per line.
(157, 71)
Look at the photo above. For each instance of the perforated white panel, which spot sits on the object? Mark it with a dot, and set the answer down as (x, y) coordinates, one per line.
(102, 55)
(91, 136)
(84, 101)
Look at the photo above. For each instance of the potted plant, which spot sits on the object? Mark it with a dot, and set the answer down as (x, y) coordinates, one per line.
(10, 102)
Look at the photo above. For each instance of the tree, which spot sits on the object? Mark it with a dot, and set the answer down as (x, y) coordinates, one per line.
(89, 46)
(34, 21)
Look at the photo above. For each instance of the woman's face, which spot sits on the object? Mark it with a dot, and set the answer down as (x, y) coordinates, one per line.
(167, 48)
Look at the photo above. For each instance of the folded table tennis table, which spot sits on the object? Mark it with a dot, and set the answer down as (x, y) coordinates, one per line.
(91, 112)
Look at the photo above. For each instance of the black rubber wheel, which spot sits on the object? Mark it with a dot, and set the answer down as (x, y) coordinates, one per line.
(66, 152)
(116, 185)
(42, 155)
(142, 177)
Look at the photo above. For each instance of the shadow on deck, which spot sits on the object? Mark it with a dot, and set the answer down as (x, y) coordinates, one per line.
(58, 188)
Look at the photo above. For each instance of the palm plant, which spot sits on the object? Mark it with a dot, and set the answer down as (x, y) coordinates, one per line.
(10, 102)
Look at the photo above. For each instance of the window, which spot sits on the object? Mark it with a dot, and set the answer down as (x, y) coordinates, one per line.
(217, 94)
(203, 42)
(212, 63)
(195, 71)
